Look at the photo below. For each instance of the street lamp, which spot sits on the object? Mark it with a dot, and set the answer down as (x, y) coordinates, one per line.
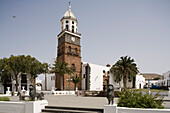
(149, 85)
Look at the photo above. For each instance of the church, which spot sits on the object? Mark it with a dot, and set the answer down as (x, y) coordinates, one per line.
(94, 77)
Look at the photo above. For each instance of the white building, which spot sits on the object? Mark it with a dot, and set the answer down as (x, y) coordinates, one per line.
(140, 81)
(96, 77)
(166, 80)
(49, 83)
(93, 78)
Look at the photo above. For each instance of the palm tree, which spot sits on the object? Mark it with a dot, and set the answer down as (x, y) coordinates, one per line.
(124, 68)
(76, 79)
(61, 69)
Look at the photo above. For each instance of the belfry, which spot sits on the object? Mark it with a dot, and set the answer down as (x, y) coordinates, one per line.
(69, 49)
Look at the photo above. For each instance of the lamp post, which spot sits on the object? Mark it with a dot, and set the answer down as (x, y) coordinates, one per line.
(149, 85)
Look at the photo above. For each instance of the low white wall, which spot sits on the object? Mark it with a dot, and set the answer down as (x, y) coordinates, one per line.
(115, 109)
(12, 107)
(110, 108)
(22, 107)
(139, 110)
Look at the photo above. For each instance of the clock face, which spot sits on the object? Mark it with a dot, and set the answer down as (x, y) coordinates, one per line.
(73, 39)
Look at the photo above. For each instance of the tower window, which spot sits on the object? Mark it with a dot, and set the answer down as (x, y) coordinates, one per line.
(75, 51)
(67, 21)
(66, 27)
(69, 49)
(73, 29)
(73, 67)
(72, 22)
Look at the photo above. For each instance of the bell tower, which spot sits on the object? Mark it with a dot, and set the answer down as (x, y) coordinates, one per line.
(69, 49)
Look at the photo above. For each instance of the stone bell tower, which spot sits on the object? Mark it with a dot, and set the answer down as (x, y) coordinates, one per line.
(69, 50)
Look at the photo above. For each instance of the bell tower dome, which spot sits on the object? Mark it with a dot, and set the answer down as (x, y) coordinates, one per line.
(69, 21)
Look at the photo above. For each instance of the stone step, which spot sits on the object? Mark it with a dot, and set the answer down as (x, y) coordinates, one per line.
(75, 108)
(66, 111)
(58, 109)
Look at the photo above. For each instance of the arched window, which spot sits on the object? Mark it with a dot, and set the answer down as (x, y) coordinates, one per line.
(67, 27)
(69, 49)
(73, 67)
(73, 22)
(73, 29)
(75, 51)
(67, 21)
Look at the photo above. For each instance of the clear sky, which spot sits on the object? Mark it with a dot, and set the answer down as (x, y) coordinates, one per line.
(110, 29)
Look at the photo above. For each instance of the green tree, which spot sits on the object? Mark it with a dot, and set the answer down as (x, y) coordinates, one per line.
(124, 68)
(36, 69)
(76, 79)
(5, 70)
(16, 65)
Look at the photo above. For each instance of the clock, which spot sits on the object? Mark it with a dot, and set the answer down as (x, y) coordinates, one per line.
(73, 39)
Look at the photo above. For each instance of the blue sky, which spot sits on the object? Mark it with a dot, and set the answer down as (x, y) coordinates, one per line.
(110, 29)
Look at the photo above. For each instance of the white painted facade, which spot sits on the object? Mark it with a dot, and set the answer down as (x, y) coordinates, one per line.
(140, 81)
(96, 76)
(50, 78)
(166, 80)
(50, 81)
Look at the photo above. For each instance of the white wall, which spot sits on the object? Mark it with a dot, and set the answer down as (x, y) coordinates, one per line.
(50, 81)
(22, 107)
(166, 80)
(139, 110)
(96, 76)
(50, 78)
(115, 109)
(140, 80)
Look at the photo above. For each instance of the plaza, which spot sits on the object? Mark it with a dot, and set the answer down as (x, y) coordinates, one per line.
(81, 102)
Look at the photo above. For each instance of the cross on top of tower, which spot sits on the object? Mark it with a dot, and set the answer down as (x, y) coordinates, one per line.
(69, 7)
